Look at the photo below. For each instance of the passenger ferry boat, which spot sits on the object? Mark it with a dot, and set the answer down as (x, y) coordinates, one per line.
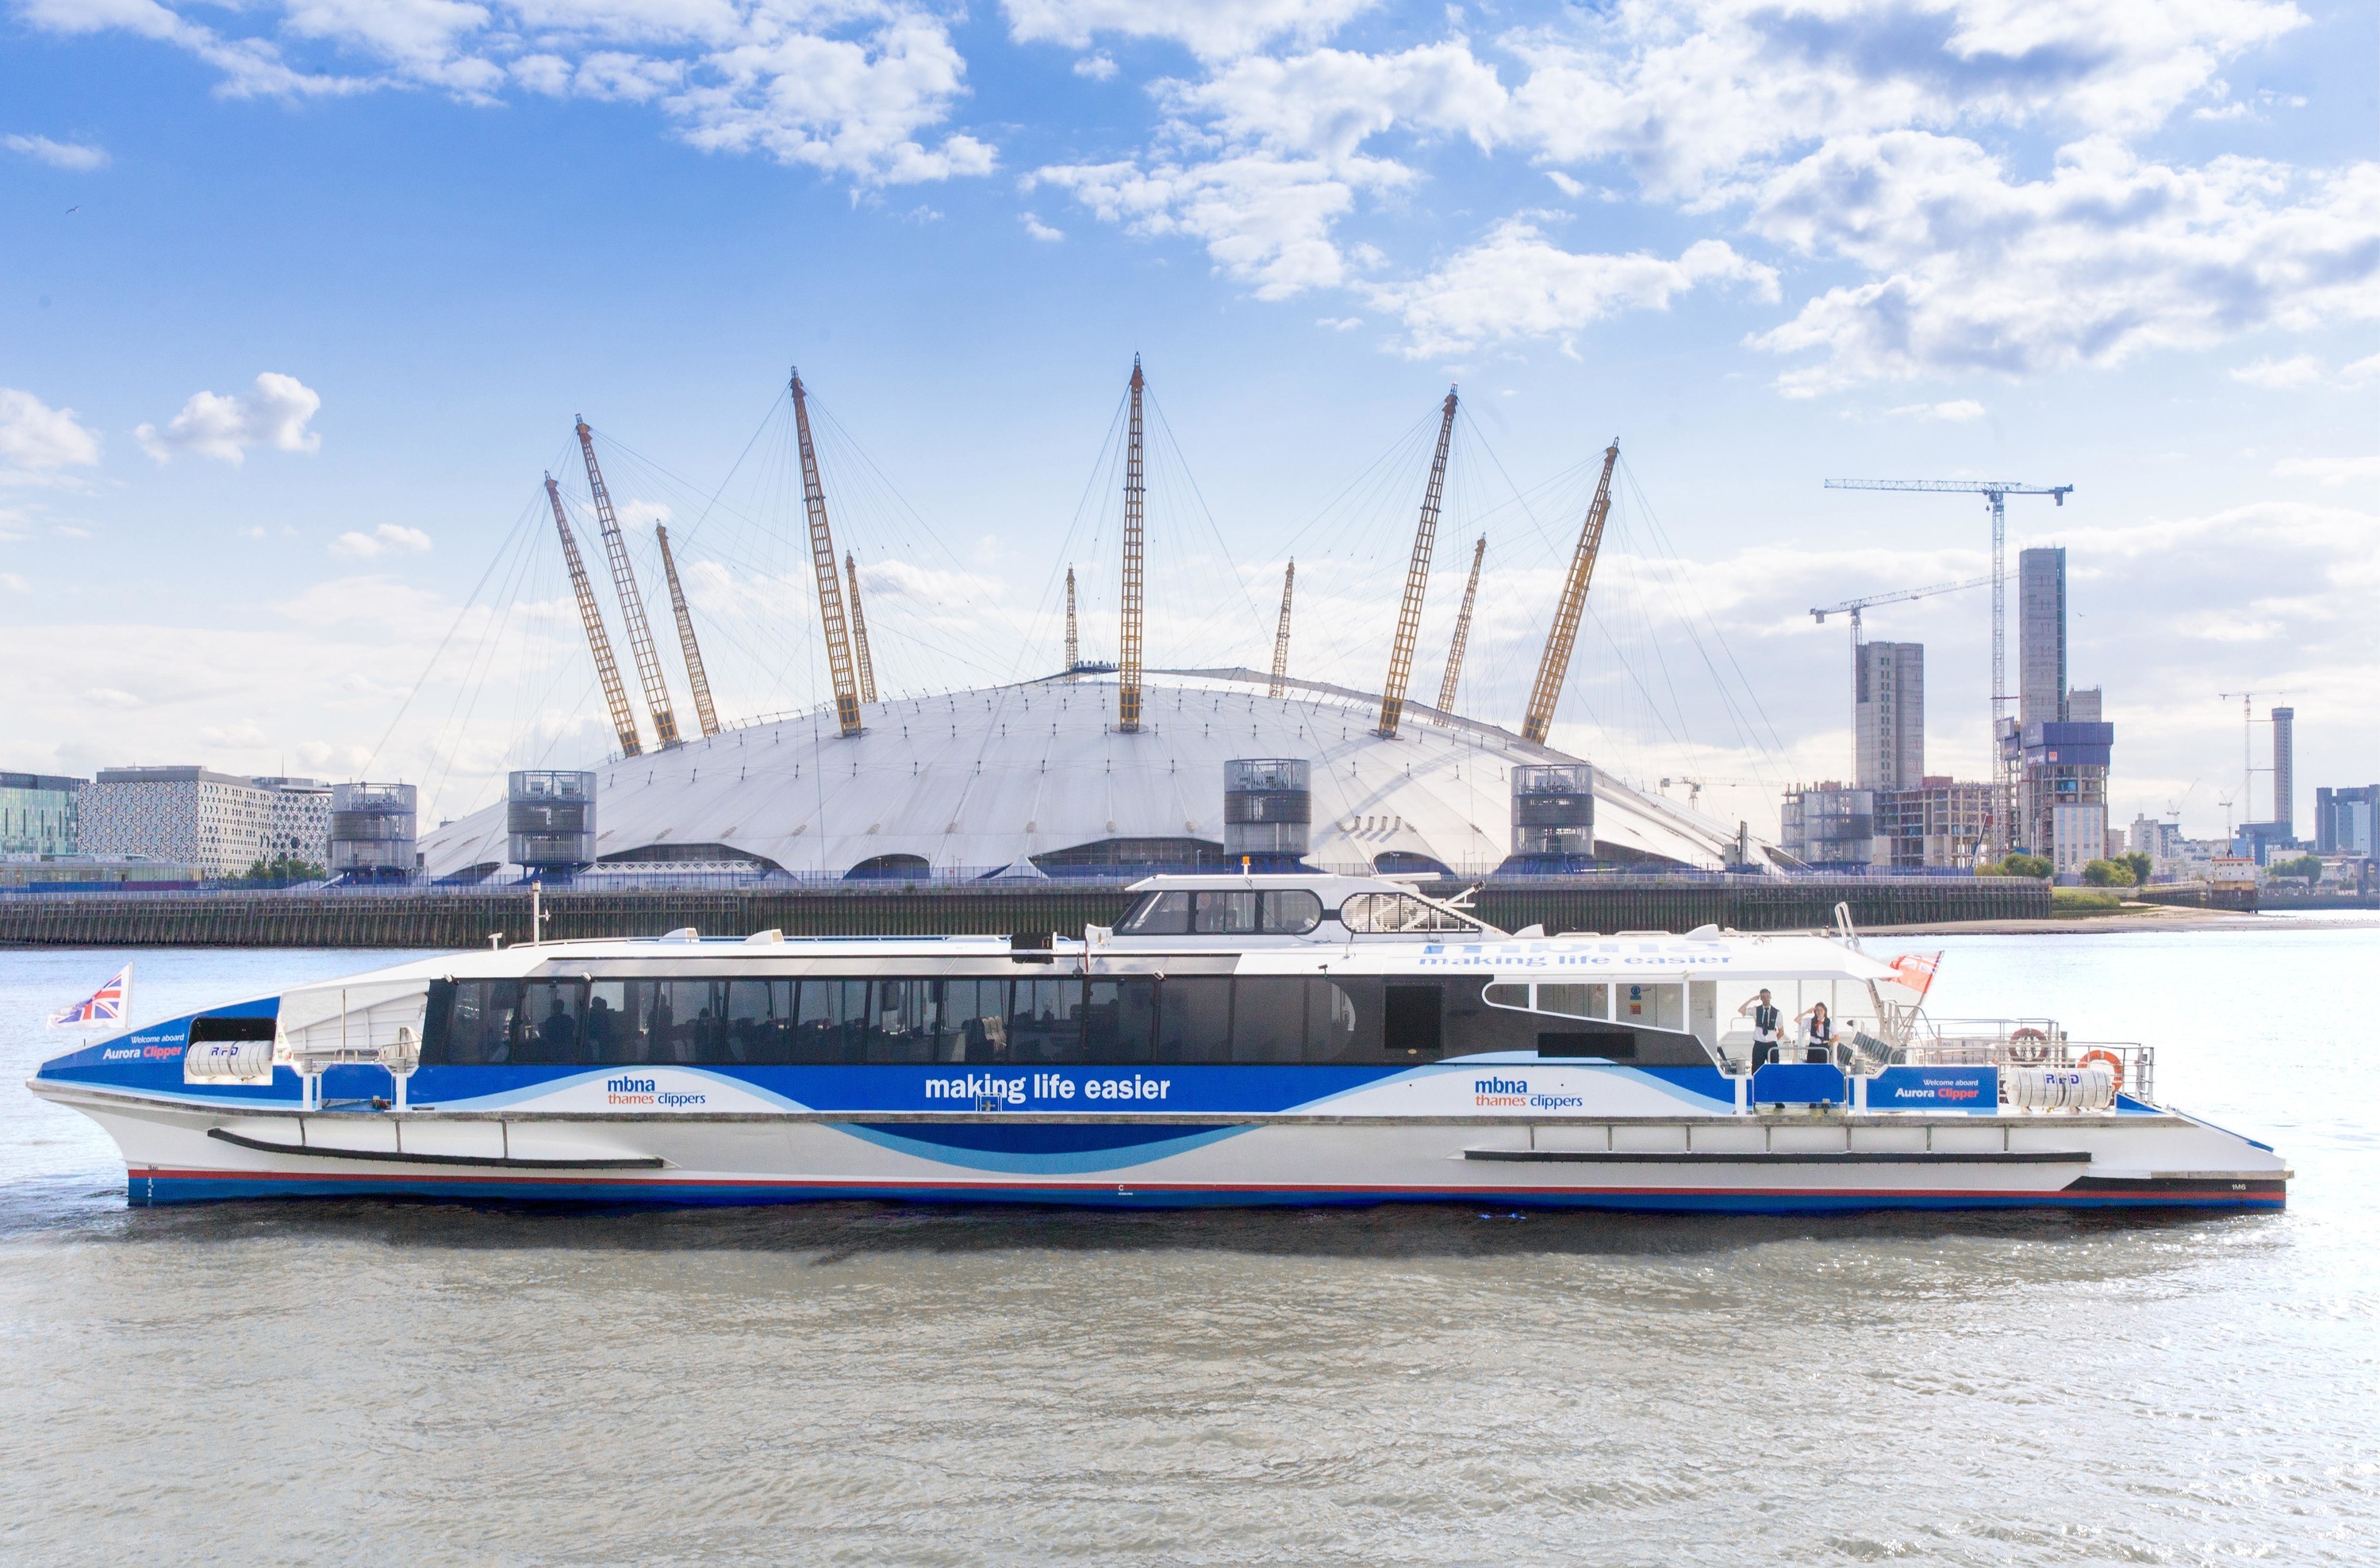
(1235, 1040)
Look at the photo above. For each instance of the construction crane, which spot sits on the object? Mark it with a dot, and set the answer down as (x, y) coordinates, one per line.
(2248, 768)
(1554, 669)
(631, 602)
(1128, 645)
(830, 581)
(1446, 682)
(706, 716)
(859, 632)
(590, 616)
(1281, 638)
(2006, 760)
(1400, 652)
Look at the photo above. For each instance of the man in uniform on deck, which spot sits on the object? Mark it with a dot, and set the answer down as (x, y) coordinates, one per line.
(1766, 1020)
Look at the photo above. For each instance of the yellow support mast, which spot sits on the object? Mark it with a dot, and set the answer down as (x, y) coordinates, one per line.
(1281, 638)
(1074, 643)
(1447, 682)
(590, 616)
(1401, 653)
(859, 632)
(695, 677)
(830, 581)
(1554, 669)
(1128, 649)
(632, 601)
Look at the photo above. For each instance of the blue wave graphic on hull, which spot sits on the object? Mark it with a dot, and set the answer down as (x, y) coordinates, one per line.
(1038, 1148)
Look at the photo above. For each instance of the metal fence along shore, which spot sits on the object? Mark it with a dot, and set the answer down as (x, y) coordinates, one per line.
(435, 916)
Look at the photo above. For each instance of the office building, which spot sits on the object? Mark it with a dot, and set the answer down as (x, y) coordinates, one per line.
(219, 823)
(2345, 820)
(1889, 716)
(38, 814)
(2063, 743)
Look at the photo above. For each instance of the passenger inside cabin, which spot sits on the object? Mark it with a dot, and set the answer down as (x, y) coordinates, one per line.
(558, 1034)
(1765, 1021)
(1820, 1042)
(597, 1030)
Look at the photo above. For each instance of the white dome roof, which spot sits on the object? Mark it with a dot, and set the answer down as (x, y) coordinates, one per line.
(976, 781)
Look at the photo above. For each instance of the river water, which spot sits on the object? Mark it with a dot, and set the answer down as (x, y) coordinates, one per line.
(432, 1384)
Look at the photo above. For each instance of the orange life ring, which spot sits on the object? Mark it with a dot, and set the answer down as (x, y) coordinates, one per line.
(2115, 1065)
(2029, 1047)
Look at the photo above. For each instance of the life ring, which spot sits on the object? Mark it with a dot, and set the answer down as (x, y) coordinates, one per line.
(2029, 1047)
(2115, 1065)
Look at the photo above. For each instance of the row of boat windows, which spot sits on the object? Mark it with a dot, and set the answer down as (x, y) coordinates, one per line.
(1285, 913)
(1055, 1022)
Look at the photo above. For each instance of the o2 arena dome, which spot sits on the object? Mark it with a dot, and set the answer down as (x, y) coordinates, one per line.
(1037, 779)
(1098, 770)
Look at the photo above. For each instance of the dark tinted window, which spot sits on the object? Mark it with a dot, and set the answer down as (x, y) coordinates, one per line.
(1229, 914)
(1292, 914)
(1411, 1019)
(1193, 1019)
(1269, 1018)
(1159, 914)
(1119, 1019)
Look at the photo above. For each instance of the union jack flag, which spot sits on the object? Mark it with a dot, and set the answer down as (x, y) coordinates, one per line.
(109, 1003)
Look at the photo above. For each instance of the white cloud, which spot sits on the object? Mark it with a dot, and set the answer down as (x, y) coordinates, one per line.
(636, 514)
(2280, 375)
(389, 539)
(2364, 370)
(40, 439)
(1339, 323)
(1264, 220)
(1040, 230)
(225, 425)
(2329, 470)
(72, 156)
(846, 87)
(15, 584)
(2107, 256)
(1517, 283)
(1096, 67)
(1957, 412)
(1210, 29)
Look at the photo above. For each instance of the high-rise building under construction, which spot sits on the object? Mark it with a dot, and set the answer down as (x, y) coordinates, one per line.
(2062, 803)
(1889, 715)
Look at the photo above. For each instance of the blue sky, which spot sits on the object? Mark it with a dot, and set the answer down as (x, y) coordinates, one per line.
(297, 301)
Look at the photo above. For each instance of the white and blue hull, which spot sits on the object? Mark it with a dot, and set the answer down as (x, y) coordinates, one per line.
(1598, 1137)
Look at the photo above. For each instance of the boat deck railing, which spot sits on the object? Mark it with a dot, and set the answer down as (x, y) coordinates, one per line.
(2032, 1042)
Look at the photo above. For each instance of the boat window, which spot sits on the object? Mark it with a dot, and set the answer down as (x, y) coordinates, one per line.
(1412, 1019)
(1228, 914)
(830, 1021)
(1045, 1022)
(1342, 1020)
(1159, 914)
(1188, 1020)
(1193, 1019)
(1663, 1006)
(1508, 995)
(1268, 1019)
(1575, 1001)
(549, 1022)
(1118, 1018)
(1396, 914)
(474, 1026)
(1292, 914)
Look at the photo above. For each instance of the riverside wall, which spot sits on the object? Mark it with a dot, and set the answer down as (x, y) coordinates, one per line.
(469, 918)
